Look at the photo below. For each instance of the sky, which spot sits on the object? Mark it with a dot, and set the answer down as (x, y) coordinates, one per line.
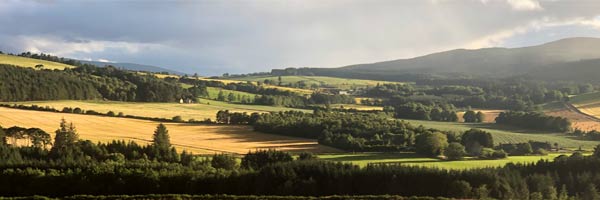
(215, 37)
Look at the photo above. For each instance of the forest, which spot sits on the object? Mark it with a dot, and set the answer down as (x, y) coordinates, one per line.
(73, 166)
(85, 83)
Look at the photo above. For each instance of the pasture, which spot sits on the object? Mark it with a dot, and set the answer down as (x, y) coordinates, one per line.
(30, 62)
(199, 139)
(296, 90)
(506, 134)
(199, 111)
(213, 93)
(342, 83)
(413, 159)
(354, 106)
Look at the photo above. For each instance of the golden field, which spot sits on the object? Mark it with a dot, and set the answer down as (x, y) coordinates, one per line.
(29, 62)
(200, 139)
(198, 111)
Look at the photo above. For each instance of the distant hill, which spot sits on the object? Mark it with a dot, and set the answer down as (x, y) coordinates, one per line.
(133, 66)
(496, 62)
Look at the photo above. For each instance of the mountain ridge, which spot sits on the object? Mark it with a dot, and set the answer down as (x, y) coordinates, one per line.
(493, 62)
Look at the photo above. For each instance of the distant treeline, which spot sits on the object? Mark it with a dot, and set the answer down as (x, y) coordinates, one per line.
(534, 120)
(511, 95)
(85, 83)
(226, 197)
(270, 96)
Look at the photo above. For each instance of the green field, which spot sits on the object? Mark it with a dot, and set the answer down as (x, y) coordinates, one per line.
(341, 83)
(199, 111)
(213, 93)
(585, 98)
(504, 134)
(29, 62)
(413, 159)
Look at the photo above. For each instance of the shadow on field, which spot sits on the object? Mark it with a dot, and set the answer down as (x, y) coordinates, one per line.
(506, 128)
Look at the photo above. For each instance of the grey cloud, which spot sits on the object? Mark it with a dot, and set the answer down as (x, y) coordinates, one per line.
(212, 37)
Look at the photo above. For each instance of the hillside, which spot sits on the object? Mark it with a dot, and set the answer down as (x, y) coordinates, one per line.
(497, 62)
(134, 67)
(579, 71)
(30, 62)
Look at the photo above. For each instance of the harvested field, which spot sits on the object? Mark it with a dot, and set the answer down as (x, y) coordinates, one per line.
(200, 139)
(490, 115)
(578, 119)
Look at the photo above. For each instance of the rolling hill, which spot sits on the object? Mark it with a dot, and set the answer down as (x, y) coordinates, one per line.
(496, 62)
(30, 62)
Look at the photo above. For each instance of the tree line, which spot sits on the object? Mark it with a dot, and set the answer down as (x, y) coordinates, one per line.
(85, 83)
(534, 120)
(74, 167)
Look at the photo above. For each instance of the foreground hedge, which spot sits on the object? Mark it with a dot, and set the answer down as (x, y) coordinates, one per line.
(225, 197)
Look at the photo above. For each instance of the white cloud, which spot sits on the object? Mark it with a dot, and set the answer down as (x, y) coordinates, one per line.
(105, 60)
(66, 48)
(519, 5)
(524, 5)
(498, 38)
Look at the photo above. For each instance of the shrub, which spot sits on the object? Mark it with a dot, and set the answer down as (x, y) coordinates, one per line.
(541, 151)
(77, 110)
(223, 161)
(110, 113)
(306, 156)
(455, 151)
(499, 154)
(177, 119)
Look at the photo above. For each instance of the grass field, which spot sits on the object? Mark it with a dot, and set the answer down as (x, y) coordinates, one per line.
(341, 83)
(583, 99)
(362, 159)
(213, 93)
(504, 134)
(202, 110)
(296, 90)
(355, 106)
(29, 62)
(200, 139)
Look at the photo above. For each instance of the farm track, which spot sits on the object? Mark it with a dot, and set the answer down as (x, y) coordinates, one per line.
(572, 108)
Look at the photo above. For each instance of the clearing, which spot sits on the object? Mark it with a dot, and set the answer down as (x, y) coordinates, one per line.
(200, 139)
(408, 158)
(30, 62)
(489, 115)
(198, 111)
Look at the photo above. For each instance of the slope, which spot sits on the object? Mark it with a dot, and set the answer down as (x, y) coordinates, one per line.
(497, 62)
(30, 62)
